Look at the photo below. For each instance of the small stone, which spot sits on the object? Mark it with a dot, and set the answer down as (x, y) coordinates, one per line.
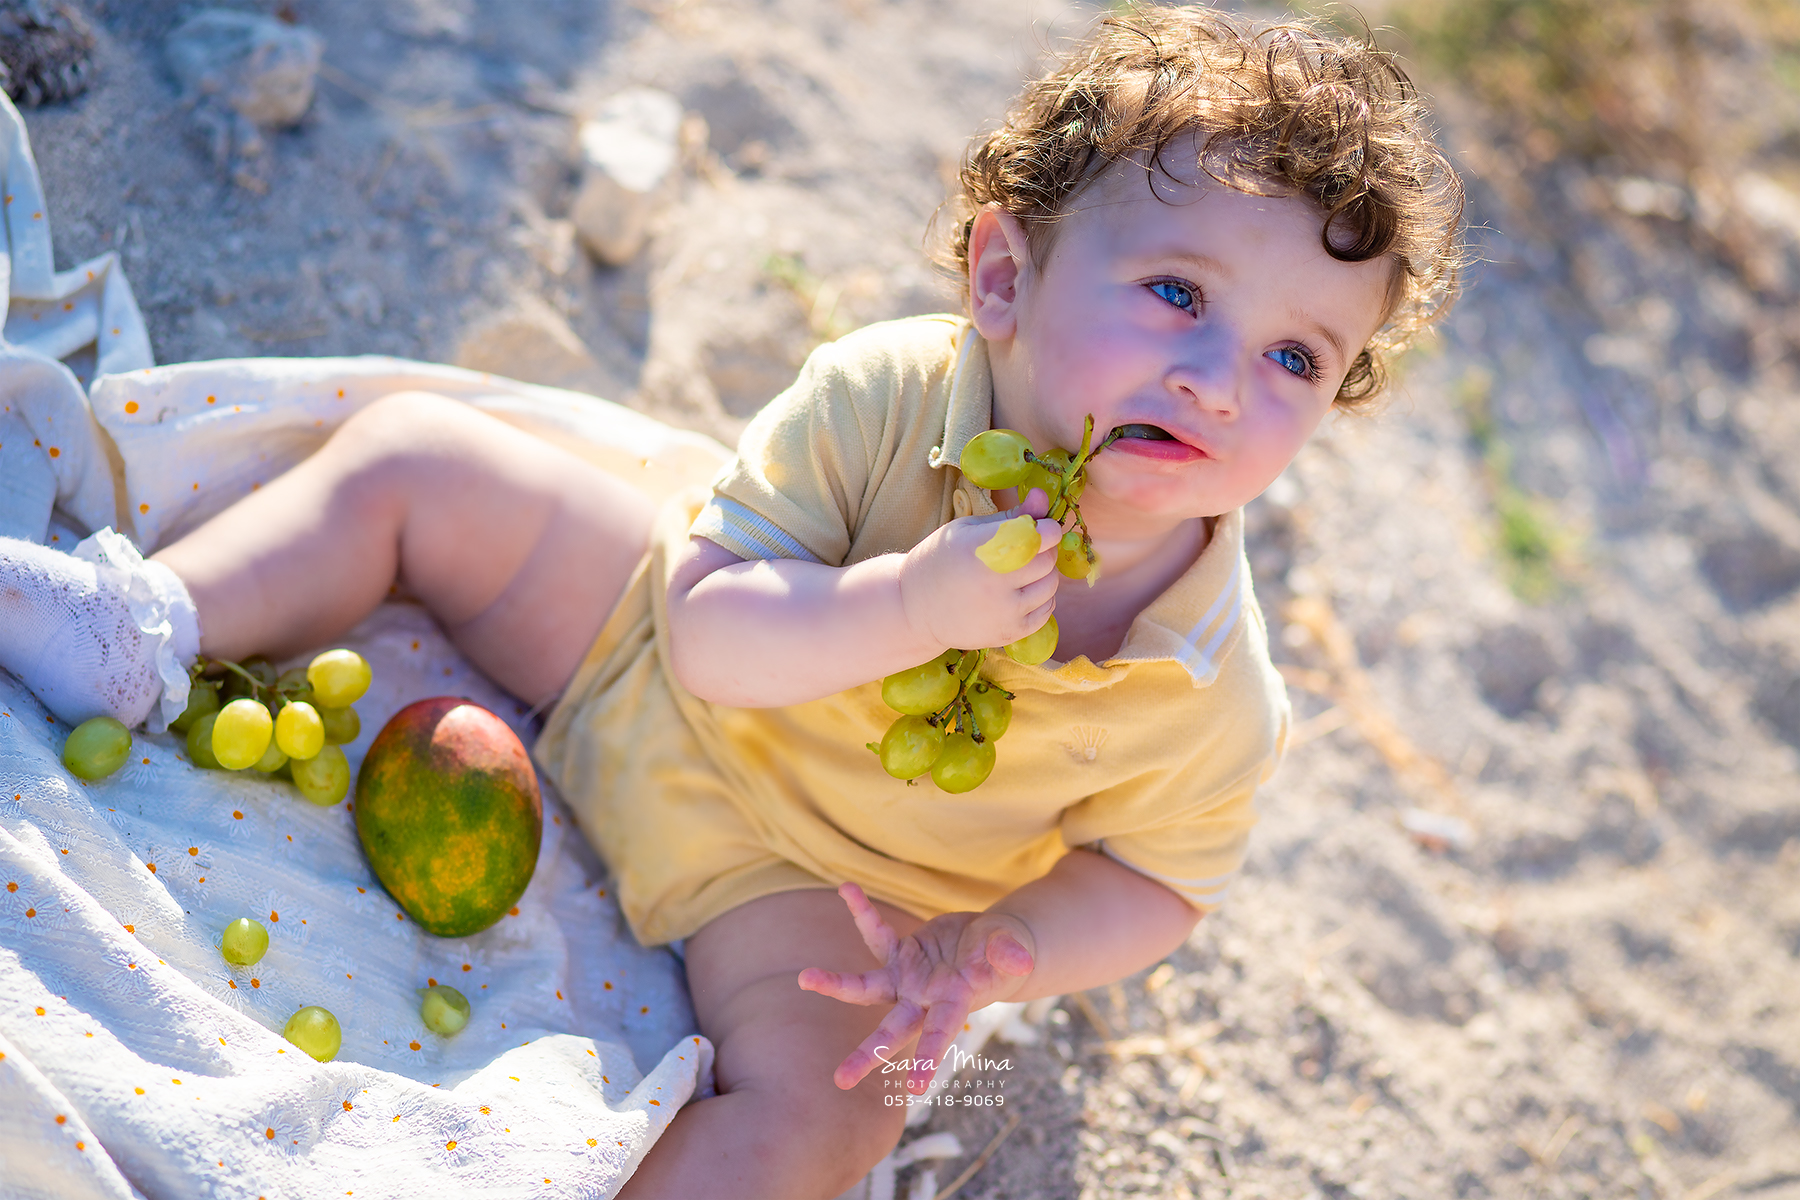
(532, 343)
(256, 67)
(1437, 830)
(629, 154)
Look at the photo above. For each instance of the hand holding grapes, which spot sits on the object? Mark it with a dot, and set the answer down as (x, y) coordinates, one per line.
(950, 715)
(947, 968)
(957, 599)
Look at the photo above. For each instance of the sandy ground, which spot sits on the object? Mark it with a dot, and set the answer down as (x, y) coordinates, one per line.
(1597, 994)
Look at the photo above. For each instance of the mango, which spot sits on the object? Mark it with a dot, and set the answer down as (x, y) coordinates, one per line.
(448, 811)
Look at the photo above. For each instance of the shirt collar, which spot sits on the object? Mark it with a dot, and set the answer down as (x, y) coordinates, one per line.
(971, 407)
(1195, 623)
(1199, 619)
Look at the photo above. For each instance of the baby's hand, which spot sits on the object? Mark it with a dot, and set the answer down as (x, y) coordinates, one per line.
(955, 599)
(949, 967)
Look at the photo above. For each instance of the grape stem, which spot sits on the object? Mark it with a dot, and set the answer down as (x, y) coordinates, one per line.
(950, 712)
(257, 686)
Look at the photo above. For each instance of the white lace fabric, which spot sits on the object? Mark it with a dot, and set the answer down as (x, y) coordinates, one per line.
(160, 609)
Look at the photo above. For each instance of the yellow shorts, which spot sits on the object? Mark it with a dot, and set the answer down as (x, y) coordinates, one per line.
(662, 817)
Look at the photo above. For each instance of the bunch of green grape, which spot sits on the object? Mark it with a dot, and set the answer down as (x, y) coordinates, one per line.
(951, 716)
(950, 719)
(245, 716)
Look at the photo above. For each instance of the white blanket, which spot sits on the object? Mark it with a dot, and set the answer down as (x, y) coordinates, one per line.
(133, 1059)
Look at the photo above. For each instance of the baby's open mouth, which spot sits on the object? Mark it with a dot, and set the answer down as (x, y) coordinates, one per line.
(1154, 433)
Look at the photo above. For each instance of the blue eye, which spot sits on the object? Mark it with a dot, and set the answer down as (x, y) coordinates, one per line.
(1178, 294)
(1296, 360)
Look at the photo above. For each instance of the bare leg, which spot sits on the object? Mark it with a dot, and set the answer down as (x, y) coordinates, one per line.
(779, 1127)
(519, 549)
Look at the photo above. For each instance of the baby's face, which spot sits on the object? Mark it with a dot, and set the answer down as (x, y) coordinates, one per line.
(1209, 324)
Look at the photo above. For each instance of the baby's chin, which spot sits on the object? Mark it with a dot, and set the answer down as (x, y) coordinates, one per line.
(1152, 497)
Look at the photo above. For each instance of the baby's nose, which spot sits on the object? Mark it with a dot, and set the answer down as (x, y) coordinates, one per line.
(1210, 366)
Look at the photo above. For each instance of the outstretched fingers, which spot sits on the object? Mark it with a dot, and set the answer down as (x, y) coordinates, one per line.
(896, 1029)
(869, 987)
(943, 1022)
(860, 987)
(877, 934)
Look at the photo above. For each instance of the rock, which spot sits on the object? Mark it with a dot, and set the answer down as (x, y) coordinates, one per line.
(46, 52)
(253, 66)
(534, 344)
(629, 154)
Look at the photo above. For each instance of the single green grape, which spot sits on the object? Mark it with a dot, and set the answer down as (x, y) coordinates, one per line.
(241, 733)
(315, 1031)
(325, 778)
(963, 764)
(909, 747)
(1060, 498)
(1013, 544)
(992, 709)
(97, 747)
(339, 678)
(1075, 556)
(299, 731)
(342, 725)
(199, 743)
(1050, 483)
(995, 458)
(272, 760)
(256, 665)
(244, 942)
(925, 688)
(203, 699)
(1071, 559)
(443, 1009)
(1034, 648)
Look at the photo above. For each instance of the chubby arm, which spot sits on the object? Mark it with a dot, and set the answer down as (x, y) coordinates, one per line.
(1088, 922)
(784, 631)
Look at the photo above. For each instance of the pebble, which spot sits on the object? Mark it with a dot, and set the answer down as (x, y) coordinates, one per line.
(256, 67)
(629, 155)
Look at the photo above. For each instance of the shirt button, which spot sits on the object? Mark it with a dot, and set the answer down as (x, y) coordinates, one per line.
(959, 503)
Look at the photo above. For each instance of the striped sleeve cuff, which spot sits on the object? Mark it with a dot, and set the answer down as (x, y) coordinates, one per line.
(1204, 894)
(746, 534)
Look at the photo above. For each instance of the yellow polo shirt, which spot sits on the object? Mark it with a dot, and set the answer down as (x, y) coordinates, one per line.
(1152, 757)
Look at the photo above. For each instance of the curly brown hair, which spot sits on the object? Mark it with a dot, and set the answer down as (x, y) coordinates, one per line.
(1284, 109)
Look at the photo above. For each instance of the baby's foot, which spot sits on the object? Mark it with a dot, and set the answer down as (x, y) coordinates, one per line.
(98, 632)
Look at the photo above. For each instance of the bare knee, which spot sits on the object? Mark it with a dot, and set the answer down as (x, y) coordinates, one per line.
(396, 445)
(400, 426)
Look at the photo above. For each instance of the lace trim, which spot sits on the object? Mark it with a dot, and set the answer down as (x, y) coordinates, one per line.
(161, 609)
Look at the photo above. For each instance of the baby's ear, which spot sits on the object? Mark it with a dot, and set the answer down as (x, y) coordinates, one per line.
(997, 258)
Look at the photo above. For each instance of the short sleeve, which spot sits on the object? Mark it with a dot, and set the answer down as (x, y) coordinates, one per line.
(803, 466)
(1188, 829)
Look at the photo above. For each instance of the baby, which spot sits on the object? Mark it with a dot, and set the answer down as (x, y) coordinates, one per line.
(1202, 235)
